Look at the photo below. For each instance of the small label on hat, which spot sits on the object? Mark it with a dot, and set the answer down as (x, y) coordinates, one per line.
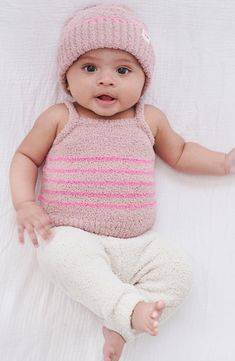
(145, 36)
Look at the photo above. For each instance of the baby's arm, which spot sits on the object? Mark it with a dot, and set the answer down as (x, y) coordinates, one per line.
(23, 174)
(188, 157)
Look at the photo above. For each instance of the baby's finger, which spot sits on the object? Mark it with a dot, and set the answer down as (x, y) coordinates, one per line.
(20, 229)
(47, 223)
(44, 233)
(32, 235)
(43, 230)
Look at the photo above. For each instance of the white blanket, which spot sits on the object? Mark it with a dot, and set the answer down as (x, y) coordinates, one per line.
(194, 84)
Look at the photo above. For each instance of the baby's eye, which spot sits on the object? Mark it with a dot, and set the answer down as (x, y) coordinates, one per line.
(123, 70)
(89, 68)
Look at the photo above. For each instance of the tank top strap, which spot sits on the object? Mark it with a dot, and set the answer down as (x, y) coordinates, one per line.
(140, 119)
(71, 108)
(73, 120)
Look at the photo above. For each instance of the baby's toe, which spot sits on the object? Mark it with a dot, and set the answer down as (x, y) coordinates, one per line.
(153, 325)
(152, 331)
(154, 314)
(159, 305)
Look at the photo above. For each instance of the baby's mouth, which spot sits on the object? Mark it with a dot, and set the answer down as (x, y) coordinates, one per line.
(105, 97)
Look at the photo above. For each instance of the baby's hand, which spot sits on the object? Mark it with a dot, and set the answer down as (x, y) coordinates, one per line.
(32, 217)
(230, 162)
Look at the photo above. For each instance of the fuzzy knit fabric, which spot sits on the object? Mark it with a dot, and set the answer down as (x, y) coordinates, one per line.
(110, 275)
(105, 26)
(99, 175)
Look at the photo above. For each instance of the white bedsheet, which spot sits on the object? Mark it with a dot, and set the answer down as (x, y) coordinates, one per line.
(194, 84)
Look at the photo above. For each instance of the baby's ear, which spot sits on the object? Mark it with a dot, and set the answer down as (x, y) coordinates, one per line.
(66, 84)
(143, 89)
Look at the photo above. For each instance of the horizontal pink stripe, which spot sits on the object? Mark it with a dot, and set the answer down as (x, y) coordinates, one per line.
(75, 204)
(127, 171)
(113, 183)
(109, 195)
(103, 159)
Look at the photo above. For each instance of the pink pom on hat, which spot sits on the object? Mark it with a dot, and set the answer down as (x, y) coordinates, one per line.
(105, 26)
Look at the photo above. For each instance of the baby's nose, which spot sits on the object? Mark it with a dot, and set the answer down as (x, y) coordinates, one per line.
(106, 79)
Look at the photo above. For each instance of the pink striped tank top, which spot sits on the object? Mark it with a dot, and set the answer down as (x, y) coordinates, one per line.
(99, 175)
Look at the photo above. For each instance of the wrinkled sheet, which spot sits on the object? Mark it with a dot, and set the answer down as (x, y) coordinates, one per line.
(194, 85)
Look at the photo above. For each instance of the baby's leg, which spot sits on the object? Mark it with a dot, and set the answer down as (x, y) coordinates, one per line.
(113, 345)
(164, 275)
(144, 318)
(77, 262)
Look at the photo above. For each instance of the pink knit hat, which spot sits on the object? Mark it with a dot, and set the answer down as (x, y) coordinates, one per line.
(105, 26)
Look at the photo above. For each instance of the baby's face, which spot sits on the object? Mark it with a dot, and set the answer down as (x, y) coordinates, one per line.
(106, 81)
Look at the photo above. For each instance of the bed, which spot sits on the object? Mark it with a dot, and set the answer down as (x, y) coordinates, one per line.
(194, 85)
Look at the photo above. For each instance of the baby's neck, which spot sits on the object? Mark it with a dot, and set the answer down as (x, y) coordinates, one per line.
(86, 113)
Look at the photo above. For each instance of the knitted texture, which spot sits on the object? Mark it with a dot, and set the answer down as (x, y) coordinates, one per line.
(111, 275)
(104, 26)
(99, 175)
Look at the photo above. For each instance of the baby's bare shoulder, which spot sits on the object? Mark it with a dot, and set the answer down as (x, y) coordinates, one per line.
(56, 115)
(55, 112)
(39, 140)
(153, 117)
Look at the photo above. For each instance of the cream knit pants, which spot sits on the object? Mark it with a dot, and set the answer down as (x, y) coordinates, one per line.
(111, 275)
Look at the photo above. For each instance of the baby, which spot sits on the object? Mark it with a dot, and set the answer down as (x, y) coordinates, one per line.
(92, 222)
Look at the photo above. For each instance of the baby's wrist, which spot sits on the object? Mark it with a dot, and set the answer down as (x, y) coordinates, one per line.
(226, 164)
(229, 162)
(22, 204)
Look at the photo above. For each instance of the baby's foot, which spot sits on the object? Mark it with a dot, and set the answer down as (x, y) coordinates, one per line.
(113, 345)
(146, 315)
